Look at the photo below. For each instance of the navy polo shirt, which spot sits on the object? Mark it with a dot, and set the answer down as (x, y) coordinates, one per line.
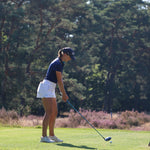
(55, 65)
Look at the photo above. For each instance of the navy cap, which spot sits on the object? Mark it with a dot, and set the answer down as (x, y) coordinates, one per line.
(69, 51)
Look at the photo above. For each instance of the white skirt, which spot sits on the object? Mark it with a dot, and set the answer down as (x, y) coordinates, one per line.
(46, 89)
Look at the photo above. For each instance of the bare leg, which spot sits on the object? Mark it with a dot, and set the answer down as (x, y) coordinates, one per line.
(49, 113)
(53, 118)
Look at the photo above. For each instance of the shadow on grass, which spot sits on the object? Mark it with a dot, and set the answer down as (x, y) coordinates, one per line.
(70, 145)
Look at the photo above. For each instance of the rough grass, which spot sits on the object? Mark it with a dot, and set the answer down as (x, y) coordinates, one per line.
(74, 139)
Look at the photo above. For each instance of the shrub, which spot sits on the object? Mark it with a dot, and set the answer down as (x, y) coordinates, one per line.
(30, 120)
(8, 117)
(134, 118)
(124, 120)
(64, 123)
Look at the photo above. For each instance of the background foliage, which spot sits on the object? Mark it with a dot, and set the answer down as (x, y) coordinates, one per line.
(112, 45)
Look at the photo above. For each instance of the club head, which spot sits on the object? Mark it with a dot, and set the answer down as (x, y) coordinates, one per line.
(107, 138)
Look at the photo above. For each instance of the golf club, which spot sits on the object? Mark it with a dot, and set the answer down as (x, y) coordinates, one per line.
(106, 139)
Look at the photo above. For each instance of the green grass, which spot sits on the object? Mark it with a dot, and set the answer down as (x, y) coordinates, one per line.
(74, 139)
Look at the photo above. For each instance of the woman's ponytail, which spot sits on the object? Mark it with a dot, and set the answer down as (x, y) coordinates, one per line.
(60, 53)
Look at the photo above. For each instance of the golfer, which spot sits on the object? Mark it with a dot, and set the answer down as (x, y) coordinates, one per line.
(46, 91)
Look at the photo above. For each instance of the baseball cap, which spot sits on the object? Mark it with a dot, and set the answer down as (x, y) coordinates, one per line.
(69, 51)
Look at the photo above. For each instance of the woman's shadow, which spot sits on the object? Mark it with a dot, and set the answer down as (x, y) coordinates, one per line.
(70, 145)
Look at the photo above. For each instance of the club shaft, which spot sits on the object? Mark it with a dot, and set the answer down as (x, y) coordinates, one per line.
(84, 118)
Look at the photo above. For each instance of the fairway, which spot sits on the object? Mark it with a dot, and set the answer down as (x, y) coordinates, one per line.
(74, 139)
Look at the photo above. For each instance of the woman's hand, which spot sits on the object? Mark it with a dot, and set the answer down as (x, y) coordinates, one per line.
(65, 97)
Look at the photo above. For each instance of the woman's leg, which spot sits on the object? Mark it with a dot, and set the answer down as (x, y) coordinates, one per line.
(48, 104)
(52, 122)
(53, 117)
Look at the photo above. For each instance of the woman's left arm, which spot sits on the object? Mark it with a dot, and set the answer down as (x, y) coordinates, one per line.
(61, 86)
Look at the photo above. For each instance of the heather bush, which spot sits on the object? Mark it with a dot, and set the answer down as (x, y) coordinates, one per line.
(106, 123)
(120, 124)
(12, 118)
(64, 123)
(74, 119)
(30, 120)
(134, 118)
(8, 117)
(123, 120)
(95, 118)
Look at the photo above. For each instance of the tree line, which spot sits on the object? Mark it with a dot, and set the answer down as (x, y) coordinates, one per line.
(111, 43)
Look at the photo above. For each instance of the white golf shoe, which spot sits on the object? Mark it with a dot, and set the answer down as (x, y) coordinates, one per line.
(54, 138)
(46, 140)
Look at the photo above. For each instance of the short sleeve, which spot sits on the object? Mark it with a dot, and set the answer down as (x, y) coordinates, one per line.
(59, 67)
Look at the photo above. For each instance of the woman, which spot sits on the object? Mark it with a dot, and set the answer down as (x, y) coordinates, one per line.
(46, 91)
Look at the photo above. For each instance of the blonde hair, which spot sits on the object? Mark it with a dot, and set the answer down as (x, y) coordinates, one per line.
(60, 53)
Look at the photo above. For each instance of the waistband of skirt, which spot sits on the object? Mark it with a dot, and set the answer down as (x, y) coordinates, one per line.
(50, 82)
